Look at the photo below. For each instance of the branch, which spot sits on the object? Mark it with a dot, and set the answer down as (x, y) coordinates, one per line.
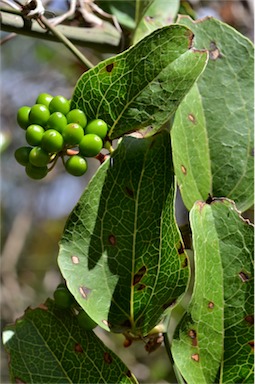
(104, 38)
(66, 42)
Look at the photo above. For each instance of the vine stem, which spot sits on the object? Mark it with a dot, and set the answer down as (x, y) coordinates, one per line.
(65, 41)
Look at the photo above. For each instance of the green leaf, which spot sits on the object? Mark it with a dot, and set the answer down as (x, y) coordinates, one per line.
(213, 132)
(124, 11)
(47, 345)
(154, 14)
(216, 333)
(191, 149)
(144, 85)
(121, 252)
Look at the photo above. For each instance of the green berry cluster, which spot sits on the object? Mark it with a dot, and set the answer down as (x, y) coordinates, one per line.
(65, 300)
(55, 131)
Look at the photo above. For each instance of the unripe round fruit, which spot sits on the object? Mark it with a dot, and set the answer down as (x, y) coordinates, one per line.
(98, 127)
(63, 298)
(59, 104)
(73, 134)
(34, 134)
(36, 173)
(38, 157)
(44, 98)
(90, 145)
(23, 117)
(77, 116)
(76, 165)
(52, 141)
(85, 321)
(56, 121)
(22, 155)
(39, 114)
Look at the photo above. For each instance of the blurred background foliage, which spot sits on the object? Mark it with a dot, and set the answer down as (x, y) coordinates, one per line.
(33, 213)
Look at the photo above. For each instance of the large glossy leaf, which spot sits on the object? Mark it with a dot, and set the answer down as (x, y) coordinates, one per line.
(121, 252)
(144, 85)
(213, 135)
(47, 345)
(154, 14)
(214, 341)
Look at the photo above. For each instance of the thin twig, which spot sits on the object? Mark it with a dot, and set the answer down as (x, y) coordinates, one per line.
(66, 42)
(8, 38)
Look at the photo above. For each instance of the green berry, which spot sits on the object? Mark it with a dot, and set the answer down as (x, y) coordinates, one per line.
(73, 134)
(52, 141)
(59, 104)
(85, 321)
(38, 157)
(36, 173)
(90, 145)
(34, 134)
(98, 127)
(76, 165)
(77, 116)
(22, 155)
(39, 114)
(44, 98)
(56, 121)
(63, 297)
(23, 117)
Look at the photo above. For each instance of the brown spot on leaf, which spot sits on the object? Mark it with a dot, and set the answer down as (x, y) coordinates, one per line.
(181, 249)
(195, 357)
(192, 118)
(107, 358)
(19, 381)
(78, 348)
(244, 277)
(193, 335)
(84, 291)
(139, 275)
(128, 373)
(210, 305)
(249, 319)
(214, 52)
(130, 192)
(140, 287)
(184, 170)
(251, 344)
(75, 260)
(109, 67)
(112, 240)
(185, 263)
